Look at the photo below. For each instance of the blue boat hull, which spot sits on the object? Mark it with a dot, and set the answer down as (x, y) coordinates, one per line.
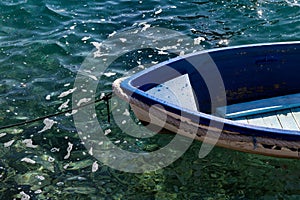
(248, 74)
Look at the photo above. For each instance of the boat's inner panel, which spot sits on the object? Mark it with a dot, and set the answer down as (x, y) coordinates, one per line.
(259, 73)
(278, 112)
(177, 91)
(248, 74)
(288, 119)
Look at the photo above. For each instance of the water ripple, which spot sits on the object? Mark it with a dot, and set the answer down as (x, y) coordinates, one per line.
(12, 2)
(42, 46)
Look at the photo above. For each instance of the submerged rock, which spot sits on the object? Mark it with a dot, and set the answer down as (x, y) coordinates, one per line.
(35, 180)
(79, 165)
(80, 190)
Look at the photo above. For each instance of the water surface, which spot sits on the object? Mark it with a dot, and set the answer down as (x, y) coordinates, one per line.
(42, 47)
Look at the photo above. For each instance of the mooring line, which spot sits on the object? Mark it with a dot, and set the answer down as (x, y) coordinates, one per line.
(105, 98)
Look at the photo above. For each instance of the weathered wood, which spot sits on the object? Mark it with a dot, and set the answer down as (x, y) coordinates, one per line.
(256, 120)
(177, 91)
(262, 106)
(296, 115)
(287, 120)
(271, 120)
(279, 112)
(242, 120)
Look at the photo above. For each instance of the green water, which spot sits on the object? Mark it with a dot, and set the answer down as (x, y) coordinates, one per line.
(42, 47)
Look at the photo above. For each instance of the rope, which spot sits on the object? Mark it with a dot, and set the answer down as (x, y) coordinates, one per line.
(104, 98)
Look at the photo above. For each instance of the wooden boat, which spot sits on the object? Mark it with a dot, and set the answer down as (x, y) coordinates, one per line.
(255, 107)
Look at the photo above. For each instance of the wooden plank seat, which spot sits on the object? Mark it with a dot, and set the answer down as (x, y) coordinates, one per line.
(281, 112)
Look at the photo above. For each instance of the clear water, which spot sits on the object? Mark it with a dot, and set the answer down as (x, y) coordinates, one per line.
(42, 47)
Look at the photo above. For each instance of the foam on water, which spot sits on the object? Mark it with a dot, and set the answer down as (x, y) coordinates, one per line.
(42, 47)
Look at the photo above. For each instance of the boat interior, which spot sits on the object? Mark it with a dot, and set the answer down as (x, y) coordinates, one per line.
(261, 83)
